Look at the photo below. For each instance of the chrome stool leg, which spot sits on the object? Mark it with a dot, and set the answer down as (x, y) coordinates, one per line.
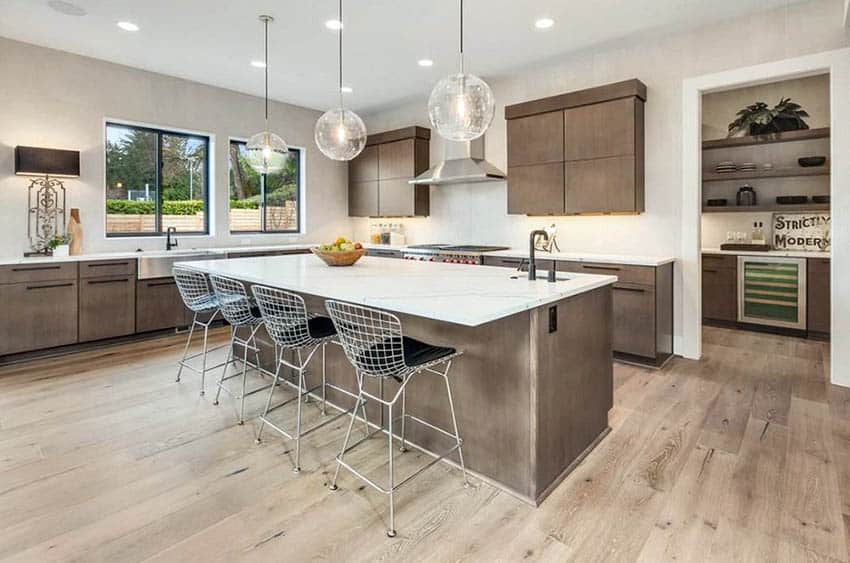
(186, 348)
(403, 448)
(391, 488)
(458, 441)
(333, 486)
(227, 363)
(204, 356)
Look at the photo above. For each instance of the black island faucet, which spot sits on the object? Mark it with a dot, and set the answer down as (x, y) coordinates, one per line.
(532, 264)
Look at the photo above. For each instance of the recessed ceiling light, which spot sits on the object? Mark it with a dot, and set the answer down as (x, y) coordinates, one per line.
(258, 64)
(425, 62)
(128, 26)
(346, 90)
(333, 24)
(66, 8)
(544, 23)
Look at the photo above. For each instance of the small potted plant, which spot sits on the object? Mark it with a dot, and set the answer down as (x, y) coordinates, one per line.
(59, 245)
(760, 119)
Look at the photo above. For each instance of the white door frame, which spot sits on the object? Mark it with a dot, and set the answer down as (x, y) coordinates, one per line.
(837, 64)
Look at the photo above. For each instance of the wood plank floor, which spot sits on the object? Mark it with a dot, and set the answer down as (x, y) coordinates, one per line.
(742, 456)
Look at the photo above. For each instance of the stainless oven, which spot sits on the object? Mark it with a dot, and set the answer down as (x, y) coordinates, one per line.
(772, 291)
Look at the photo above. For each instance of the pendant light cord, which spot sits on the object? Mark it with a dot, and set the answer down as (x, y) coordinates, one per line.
(266, 24)
(341, 26)
(461, 36)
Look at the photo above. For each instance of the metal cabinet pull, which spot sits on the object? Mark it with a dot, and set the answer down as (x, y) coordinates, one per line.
(100, 282)
(158, 284)
(611, 268)
(107, 264)
(709, 270)
(35, 268)
(30, 287)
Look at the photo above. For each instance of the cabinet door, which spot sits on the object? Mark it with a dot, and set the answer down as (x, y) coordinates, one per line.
(600, 130)
(536, 139)
(537, 189)
(396, 198)
(634, 319)
(365, 166)
(363, 199)
(396, 160)
(159, 305)
(107, 307)
(719, 293)
(37, 315)
(818, 298)
(603, 185)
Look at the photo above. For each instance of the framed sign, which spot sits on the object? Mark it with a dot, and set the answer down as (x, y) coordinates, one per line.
(801, 231)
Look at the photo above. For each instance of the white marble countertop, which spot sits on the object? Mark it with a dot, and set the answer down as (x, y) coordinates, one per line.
(454, 293)
(151, 253)
(627, 259)
(782, 253)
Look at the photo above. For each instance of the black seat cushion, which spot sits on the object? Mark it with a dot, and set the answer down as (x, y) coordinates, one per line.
(416, 352)
(321, 327)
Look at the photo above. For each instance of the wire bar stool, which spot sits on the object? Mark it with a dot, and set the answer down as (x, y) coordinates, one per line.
(291, 328)
(201, 300)
(374, 344)
(237, 309)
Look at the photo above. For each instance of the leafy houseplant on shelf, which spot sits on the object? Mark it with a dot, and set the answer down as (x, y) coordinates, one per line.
(759, 119)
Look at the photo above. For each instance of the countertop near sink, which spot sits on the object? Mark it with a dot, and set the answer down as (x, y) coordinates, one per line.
(781, 253)
(627, 259)
(9, 261)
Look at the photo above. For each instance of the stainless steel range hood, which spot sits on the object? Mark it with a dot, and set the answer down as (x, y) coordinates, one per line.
(463, 163)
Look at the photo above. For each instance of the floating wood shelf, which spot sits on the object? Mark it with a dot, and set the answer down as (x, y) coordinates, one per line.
(774, 173)
(800, 207)
(785, 137)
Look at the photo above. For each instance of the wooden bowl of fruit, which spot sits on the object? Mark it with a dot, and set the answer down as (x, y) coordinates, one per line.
(342, 252)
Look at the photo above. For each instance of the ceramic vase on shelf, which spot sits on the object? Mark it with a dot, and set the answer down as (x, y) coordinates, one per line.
(75, 232)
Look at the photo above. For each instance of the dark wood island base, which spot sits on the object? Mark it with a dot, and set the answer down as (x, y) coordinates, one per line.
(532, 390)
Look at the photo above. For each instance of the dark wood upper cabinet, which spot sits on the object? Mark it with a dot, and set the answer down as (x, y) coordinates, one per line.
(536, 139)
(600, 185)
(365, 166)
(378, 178)
(600, 130)
(536, 189)
(598, 133)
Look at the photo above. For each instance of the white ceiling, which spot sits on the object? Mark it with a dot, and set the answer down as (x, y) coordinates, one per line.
(213, 41)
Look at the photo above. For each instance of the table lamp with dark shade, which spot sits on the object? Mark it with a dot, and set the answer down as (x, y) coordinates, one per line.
(46, 210)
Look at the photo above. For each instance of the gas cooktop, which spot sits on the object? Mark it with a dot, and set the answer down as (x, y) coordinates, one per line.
(457, 247)
(454, 253)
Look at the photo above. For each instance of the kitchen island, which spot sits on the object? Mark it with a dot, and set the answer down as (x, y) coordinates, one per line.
(534, 385)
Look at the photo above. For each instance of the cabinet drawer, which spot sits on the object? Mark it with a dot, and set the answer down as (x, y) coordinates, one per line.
(103, 268)
(159, 305)
(107, 307)
(719, 261)
(625, 274)
(634, 319)
(37, 315)
(720, 294)
(511, 262)
(38, 272)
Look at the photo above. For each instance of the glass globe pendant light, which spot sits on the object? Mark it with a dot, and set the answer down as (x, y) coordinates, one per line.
(266, 152)
(340, 133)
(461, 106)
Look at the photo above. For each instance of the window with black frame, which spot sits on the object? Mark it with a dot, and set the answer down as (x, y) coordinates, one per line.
(264, 203)
(155, 179)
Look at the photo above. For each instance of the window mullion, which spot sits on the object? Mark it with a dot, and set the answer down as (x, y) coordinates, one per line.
(262, 203)
(158, 199)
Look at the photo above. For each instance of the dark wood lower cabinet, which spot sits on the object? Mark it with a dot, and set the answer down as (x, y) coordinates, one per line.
(634, 319)
(107, 307)
(720, 293)
(159, 305)
(817, 295)
(37, 314)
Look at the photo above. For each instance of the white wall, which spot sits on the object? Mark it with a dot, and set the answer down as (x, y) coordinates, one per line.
(54, 99)
(477, 213)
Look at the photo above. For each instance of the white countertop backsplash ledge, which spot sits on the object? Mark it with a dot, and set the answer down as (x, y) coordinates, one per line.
(453, 293)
